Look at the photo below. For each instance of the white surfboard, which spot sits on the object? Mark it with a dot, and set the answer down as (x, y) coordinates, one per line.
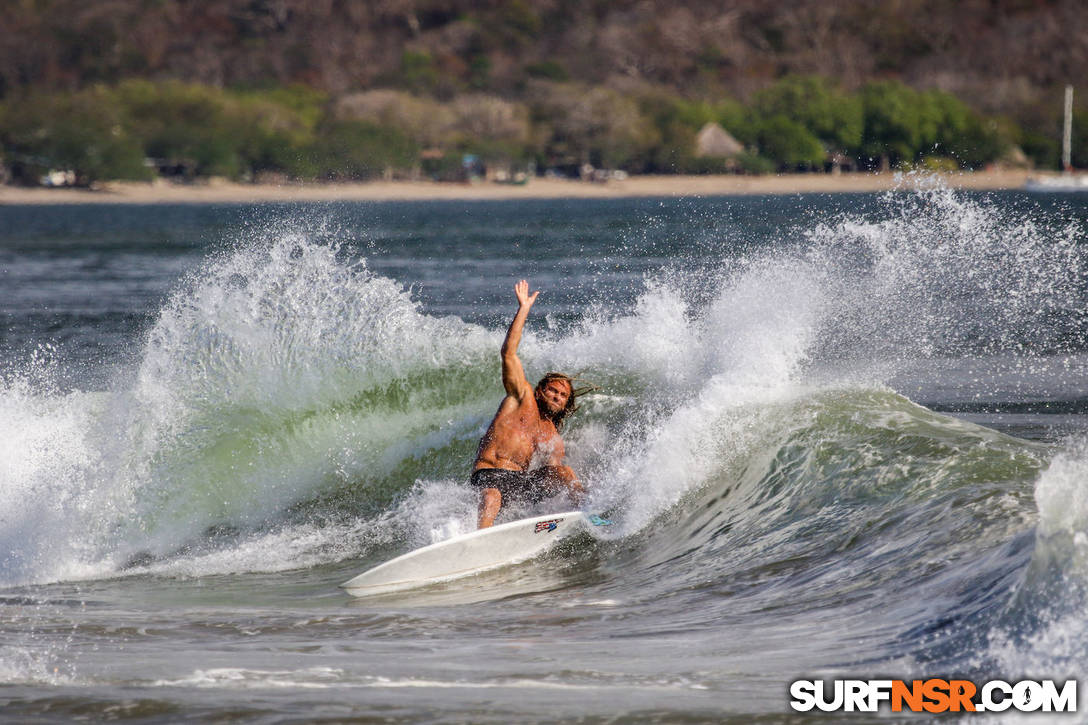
(471, 553)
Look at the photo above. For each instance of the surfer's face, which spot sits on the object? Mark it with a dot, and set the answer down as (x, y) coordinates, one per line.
(555, 395)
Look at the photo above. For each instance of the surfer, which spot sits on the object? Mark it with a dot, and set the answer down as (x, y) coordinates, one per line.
(520, 457)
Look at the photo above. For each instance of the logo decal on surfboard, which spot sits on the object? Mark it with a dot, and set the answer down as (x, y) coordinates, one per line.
(546, 525)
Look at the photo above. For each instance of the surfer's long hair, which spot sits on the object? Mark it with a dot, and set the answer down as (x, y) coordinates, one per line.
(572, 404)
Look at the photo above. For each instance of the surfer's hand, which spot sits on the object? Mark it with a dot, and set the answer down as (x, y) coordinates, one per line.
(521, 289)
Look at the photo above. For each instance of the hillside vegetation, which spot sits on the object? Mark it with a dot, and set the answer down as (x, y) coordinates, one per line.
(333, 89)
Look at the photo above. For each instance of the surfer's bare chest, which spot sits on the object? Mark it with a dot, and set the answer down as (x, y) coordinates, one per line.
(520, 434)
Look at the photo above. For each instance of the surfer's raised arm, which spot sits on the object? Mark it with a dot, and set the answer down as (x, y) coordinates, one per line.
(513, 374)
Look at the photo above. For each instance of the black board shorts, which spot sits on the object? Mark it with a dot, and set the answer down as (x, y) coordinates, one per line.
(525, 486)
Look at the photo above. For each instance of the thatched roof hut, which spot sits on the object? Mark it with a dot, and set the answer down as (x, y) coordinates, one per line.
(714, 141)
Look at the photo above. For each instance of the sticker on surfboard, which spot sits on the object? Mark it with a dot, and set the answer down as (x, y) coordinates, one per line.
(549, 525)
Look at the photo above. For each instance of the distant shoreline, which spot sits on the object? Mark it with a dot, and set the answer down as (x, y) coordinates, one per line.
(223, 192)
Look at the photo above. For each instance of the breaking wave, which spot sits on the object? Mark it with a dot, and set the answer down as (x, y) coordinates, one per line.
(290, 408)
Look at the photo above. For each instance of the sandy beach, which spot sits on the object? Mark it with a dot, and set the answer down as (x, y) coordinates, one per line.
(220, 191)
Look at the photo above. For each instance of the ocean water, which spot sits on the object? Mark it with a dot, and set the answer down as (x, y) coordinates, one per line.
(839, 435)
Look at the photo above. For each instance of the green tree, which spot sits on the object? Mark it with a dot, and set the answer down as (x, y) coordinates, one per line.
(788, 143)
(270, 136)
(184, 124)
(677, 121)
(213, 132)
(963, 134)
(904, 126)
(353, 150)
(899, 123)
(834, 117)
(84, 132)
(1043, 149)
(736, 119)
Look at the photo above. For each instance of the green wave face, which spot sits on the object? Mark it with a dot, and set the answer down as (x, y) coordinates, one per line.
(283, 379)
(839, 467)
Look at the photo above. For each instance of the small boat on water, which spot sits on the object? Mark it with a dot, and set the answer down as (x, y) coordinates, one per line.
(1067, 180)
(1058, 182)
